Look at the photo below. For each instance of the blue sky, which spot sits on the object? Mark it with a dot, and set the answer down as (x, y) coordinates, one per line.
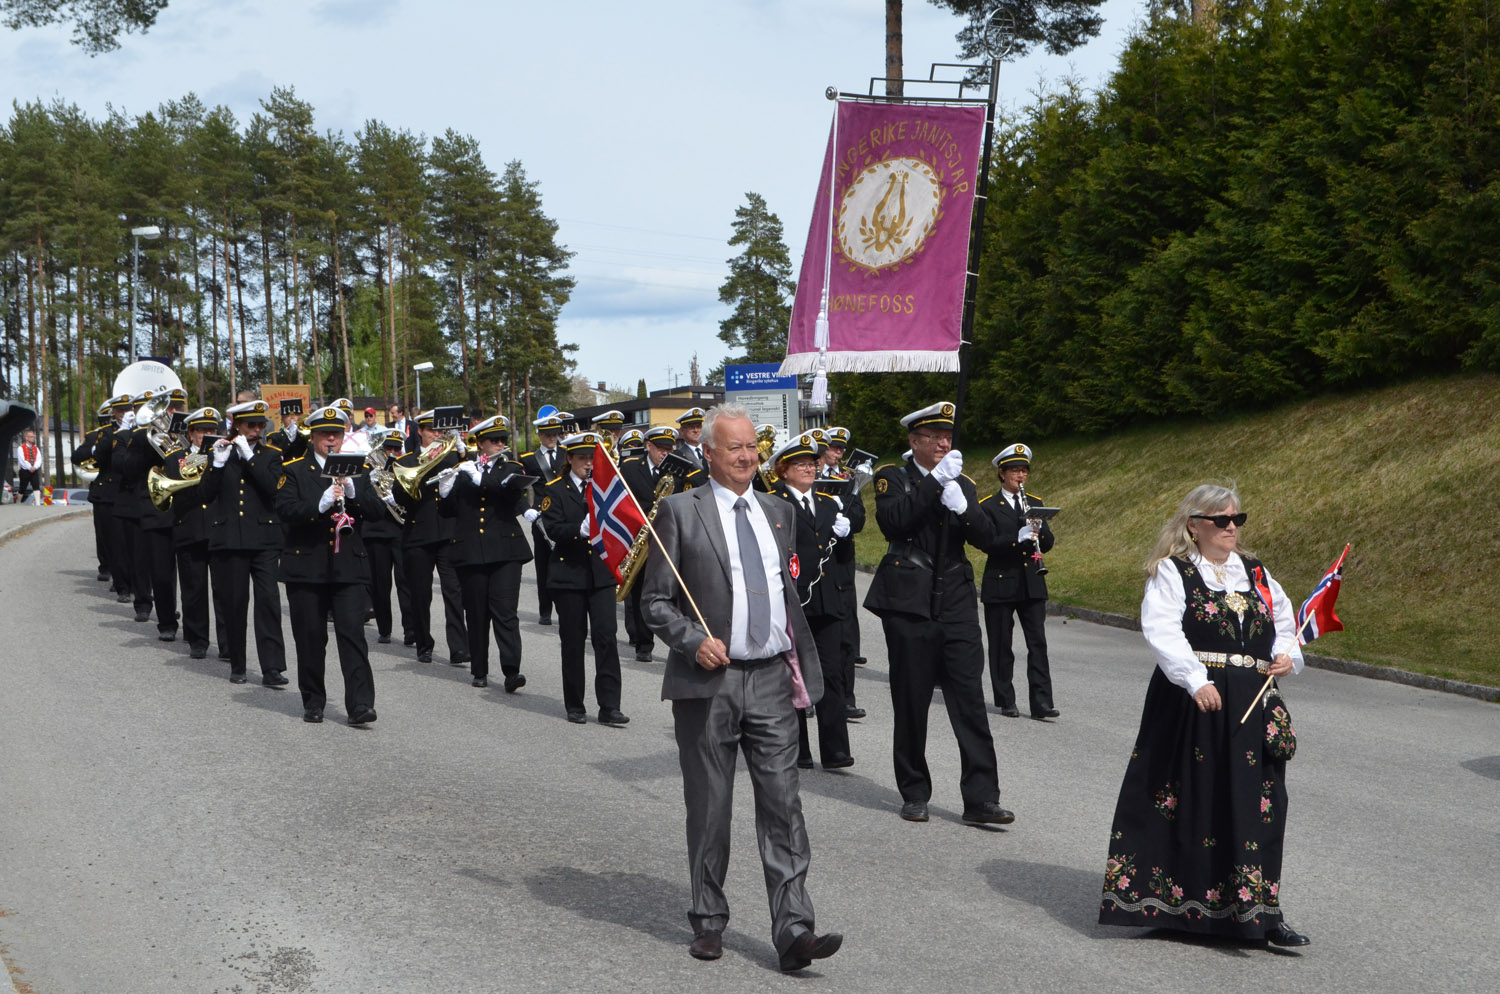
(645, 124)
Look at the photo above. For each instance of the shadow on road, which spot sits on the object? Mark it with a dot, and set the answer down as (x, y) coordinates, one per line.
(1485, 766)
(1068, 894)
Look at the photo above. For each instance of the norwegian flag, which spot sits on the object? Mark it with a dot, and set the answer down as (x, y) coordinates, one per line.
(614, 516)
(1315, 616)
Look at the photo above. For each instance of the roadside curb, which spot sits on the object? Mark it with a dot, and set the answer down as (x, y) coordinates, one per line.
(1347, 666)
(20, 528)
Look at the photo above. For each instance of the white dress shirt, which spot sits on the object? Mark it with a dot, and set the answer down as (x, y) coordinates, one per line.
(779, 639)
(1166, 600)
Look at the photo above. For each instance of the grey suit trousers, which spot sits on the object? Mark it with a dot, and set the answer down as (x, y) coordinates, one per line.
(751, 712)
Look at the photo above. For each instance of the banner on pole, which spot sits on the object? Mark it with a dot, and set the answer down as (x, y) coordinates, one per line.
(274, 393)
(893, 208)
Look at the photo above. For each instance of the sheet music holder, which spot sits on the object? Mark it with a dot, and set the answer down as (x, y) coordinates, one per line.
(340, 464)
(449, 418)
(833, 487)
(1042, 513)
(292, 405)
(179, 422)
(521, 480)
(861, 458)
(676, 464)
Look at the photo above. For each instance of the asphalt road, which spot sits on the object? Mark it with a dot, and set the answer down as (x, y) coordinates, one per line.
(164, 831)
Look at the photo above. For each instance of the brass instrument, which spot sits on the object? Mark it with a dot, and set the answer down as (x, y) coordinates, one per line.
(765, 444)
(1036, 531)
(410, 477)
(155, 418)
(161, 488)
(630, 569)
(382, 478)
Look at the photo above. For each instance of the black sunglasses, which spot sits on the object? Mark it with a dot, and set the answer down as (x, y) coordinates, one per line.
(1223, 520)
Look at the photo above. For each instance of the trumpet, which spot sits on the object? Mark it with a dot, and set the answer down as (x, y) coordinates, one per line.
(161, 488)
(1036, 531)
(410, 477)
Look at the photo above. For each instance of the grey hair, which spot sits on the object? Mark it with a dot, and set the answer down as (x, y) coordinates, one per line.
(721, 412)
(1175, 540)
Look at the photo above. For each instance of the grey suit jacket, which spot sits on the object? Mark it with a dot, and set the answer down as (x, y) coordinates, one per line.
(689, 528)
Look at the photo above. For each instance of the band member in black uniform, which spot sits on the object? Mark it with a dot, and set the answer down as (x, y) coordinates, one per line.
(190, 538)
(425, 544)
(632, 443)
(1014, 586)
(485, 496)
(83, 453)
(820, 524)
(381, 529)
(156, 536)
(582, 587)
(546, 463)
(122, 413)
(325, 570)
(923, 593)
(689, 431)
(643, 474)
(612, 422)
(244, 538)
(289, 437)
(129, 459)
(853, 506)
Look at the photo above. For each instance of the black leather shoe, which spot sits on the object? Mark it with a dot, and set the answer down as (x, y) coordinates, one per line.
(515, 682)
(808, 947)
(166, 637)
(545, 619)
(1011, 712)
(362, 716)
(577, 718)
(914, 811)
(312, 716)
(859, 660)
(643, 655)
(198, 652)
(804, 764)
(424, 657)
(103, 576)
(408, 640)
(143, 616)
(838, 763)
(384, 640)
(1041, 714)
(122, 598)
(479, 681)
(612, 716)
(707, 945)
(274, 679)
(1284, 935)
(988, 813)
(458, 661)
(237, 678)
(852, 713)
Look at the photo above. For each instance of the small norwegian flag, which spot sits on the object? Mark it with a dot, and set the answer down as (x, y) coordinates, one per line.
(1315, 616)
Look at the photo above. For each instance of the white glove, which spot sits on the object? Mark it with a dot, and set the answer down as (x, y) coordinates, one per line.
(583, 528)
(348, 487)
(459, 446)
(1026, 532)
(953, 496)
(326, 501)
(472, 469)
(244, 447)
(841, 526)
(128, 421)
(445, 480)
(951, 466)
(531, 514)
(840, 502)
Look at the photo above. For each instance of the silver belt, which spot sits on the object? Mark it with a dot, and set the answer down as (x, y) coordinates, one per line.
(1232, 659)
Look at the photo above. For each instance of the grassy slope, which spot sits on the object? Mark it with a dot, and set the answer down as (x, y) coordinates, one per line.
(1410, 475)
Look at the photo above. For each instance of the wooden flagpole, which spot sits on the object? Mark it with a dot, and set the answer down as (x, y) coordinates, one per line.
(1267, 685)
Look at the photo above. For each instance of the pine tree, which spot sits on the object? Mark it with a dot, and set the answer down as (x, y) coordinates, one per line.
(759, 286)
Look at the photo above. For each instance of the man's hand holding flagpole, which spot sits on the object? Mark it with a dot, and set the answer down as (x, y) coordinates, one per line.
(1317, 612)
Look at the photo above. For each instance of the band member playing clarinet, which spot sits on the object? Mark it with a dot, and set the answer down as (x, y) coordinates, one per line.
(1014, 586)
(325, 569)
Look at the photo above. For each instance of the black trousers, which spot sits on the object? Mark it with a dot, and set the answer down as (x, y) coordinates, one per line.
(421, 560)
(111, 539)
(192, 578)
(588, 614)
(636, 631)
(491, 592)
(849, 647)
(1000, 626)
(162, 557)
(309, 604)
(100, 543)
(833, 727)
(946, 652)
(137, 562)
(243, 570)
(386, 561)
(28, 480)
(218, 584)
(542, 549)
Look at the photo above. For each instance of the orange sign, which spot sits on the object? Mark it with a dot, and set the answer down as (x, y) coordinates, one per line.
(274, 393)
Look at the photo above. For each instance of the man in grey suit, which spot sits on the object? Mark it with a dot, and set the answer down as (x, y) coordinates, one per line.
(736, 686)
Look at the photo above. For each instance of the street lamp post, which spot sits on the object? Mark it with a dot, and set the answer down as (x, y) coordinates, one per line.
(148, 231)
(419, 369)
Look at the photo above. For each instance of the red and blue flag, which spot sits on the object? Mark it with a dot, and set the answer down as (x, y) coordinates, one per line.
(614, 516)
(1315, 617)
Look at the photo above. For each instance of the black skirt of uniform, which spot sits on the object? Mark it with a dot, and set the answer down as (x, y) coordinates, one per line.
(1197, 837)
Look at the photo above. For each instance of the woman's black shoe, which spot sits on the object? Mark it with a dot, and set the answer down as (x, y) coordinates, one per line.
(1284, 935)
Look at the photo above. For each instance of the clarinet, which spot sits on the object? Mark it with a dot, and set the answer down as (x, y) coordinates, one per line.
(1036, 528)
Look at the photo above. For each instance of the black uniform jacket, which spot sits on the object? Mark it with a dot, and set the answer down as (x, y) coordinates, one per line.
(189, 520)
(378, 522)
(842, 568)
(424, 524)
(140, 457)
(109, 477)
(533, 463)
(309, 555)
(573, 565)
(132, 458)
(1010, 574)
(292, 444)
(86, 451)
(486, 527)
(240, 498)
(926, 542)
(814, 533)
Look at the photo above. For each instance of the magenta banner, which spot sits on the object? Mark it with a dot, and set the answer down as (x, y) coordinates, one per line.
(904, 179)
